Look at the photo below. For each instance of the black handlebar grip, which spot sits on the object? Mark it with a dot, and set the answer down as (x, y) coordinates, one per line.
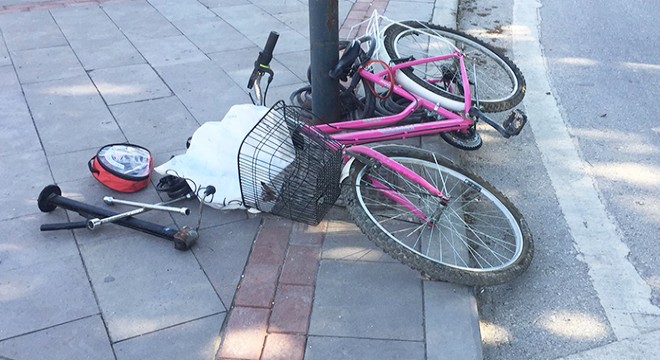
(267, 55)
(264, 58)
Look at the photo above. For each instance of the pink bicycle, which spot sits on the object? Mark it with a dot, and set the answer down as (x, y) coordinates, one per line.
(416, 205)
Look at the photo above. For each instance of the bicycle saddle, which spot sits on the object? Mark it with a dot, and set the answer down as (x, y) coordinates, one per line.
(343, 67)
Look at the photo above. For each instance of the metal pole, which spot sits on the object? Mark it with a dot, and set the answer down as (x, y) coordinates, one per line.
(324, 48)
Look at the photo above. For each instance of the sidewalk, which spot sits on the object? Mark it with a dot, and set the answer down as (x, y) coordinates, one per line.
(79, 74)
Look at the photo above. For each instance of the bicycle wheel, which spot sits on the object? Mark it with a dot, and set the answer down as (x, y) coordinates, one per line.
(478, 238)
(499, 83)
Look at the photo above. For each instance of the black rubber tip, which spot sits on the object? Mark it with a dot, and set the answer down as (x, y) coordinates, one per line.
(45, 197)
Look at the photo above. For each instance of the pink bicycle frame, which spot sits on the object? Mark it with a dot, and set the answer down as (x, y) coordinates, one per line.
(362, 131)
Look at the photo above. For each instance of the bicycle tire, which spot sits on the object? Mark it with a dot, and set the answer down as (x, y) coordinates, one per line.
(478, 221)
(501, 85)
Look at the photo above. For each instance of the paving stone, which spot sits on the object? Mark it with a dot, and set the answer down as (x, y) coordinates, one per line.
(86, 23)
(129, 83)
(194, 340)
(182, 10)
(22, 200)
(143, 284)
(284, 347)
(454, 331)
(291, 310)
(62, 105)
(44, 64)
(106, 53)
(214, 35)
(169, 51)
(18, 133)
(308, 235)
(322, 347)
(155, 124)
(245, 333)
(138, 20)
(8, 78)
(223, 251)
(235, 64)
(401, 10)
(43, 31)
(23, 244)
(209, 102)
(300, 265)
(257, 288)
(243, 18)
(43, 295)
(5, 60)
(271, 243)
(355, 299)
(345, 241)
(80, 339)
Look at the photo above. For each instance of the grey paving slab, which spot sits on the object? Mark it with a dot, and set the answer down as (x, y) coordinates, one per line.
(297, 62)
(204, 88)
(105, 53)
(81, 339)
(345, 241)
(176, 11)
(143, 285)
(194, 340)
(44, 64)
(297, 20)
(451, 321)
(323, 347)
(238, 64)
(43, 32)
(23, 244)
(43, 295)
(217, 3)
(60, 106)
(72, 165)
(94, 37)
(214, 35)
(24, 173)
(244, 18)
(159, 125)
(406, 10)
(277, 7)
(169, 50)
(5, 60)
(8, 79)
(130, 83)
(223, 252)
(368, 300)
(139, 20)
(85, 23)
(17, 131)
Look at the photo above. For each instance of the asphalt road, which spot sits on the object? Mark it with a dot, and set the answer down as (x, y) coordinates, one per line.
(585, 174)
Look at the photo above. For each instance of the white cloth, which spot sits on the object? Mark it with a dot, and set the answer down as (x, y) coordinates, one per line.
(212, 158)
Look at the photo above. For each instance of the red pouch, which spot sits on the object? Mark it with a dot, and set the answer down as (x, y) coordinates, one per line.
(122, 167)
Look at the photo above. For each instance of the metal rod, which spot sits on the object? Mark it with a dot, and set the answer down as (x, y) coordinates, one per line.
(160, 206)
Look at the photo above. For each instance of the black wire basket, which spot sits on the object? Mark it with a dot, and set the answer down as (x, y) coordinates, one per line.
(288, 168)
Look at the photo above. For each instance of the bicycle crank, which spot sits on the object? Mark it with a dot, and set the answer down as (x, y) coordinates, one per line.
(512, 126)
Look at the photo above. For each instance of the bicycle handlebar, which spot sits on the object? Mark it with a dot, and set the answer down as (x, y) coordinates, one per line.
(262, 64)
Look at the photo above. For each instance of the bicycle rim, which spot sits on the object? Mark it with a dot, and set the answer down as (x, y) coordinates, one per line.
(475, 233)
(499, 84)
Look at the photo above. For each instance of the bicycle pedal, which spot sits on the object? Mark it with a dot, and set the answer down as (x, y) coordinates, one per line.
(515, 122)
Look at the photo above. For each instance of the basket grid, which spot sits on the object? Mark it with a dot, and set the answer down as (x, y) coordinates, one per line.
(288, 168)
